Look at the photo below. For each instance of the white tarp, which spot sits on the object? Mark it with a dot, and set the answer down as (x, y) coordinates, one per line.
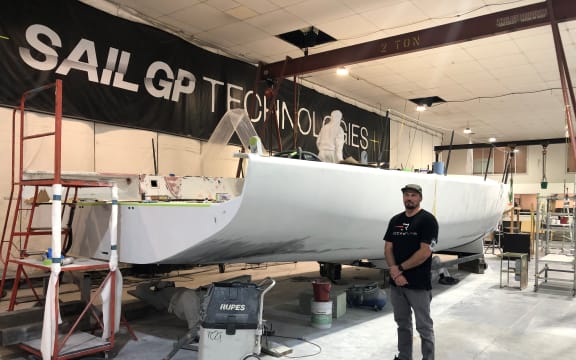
(50, 324)
(113, 264)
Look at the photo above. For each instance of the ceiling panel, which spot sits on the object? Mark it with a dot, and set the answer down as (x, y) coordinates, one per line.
(395, 15)
(235, 34)
(318, 11)
(278, 22)
(202, 16)
(349, 27)
(259, 6)
(154, 8)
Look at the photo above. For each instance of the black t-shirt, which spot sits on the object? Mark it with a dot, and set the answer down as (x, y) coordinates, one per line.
(406, 233)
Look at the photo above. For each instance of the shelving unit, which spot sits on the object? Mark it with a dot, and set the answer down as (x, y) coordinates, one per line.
(14, 245)
(512, 225)
(555, 243)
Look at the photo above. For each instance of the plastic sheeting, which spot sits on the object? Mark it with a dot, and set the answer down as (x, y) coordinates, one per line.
(234, 121)
(49, 334)
(106, 294)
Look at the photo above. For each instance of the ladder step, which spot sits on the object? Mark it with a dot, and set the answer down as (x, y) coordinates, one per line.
(40, 228)
(32, 253)
(45, 203)
(46, 232)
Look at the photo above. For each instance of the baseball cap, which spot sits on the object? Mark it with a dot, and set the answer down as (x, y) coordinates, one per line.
(413, 187)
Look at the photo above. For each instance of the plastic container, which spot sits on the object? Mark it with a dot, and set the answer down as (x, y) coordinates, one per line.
(321, 314)
(321, 290)
(438, 168)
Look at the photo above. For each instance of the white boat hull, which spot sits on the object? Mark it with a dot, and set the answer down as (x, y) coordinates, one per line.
(292, 210)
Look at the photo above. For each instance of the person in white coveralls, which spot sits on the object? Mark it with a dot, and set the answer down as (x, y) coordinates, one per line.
(330, 140)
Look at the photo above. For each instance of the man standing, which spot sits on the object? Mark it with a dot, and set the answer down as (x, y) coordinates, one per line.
(410, 237)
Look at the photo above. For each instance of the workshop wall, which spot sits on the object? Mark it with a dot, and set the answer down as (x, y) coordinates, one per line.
(529, 182)
(410, 147)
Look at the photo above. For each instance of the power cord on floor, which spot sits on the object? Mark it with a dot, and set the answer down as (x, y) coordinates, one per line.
(270, 332)
(300, 339)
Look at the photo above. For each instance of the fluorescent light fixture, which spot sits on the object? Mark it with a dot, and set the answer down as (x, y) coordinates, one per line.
(342, 71)
(421, 108)
(492, 139)
(467, 131)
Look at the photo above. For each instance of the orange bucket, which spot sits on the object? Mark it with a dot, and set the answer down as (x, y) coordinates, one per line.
(321, 290)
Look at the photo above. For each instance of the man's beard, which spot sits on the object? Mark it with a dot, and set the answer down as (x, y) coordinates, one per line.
(410, 206)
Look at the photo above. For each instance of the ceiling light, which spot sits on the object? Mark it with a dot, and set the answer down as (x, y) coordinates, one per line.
(492, 139)
(467, 131)
(421, 108)
(342, 71)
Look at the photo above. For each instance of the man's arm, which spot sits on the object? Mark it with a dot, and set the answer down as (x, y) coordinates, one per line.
(418, 257)
(395, 272)
(389, 255)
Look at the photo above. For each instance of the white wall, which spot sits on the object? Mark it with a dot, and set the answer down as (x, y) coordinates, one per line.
(529, 183)
(101, 148)
(411, 148)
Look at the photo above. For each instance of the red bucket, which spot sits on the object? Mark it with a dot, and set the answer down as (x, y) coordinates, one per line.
(321, 290)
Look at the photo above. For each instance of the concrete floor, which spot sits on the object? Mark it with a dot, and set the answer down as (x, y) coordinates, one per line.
(474, 319)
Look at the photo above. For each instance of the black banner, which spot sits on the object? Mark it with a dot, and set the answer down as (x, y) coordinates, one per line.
(120, 72)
